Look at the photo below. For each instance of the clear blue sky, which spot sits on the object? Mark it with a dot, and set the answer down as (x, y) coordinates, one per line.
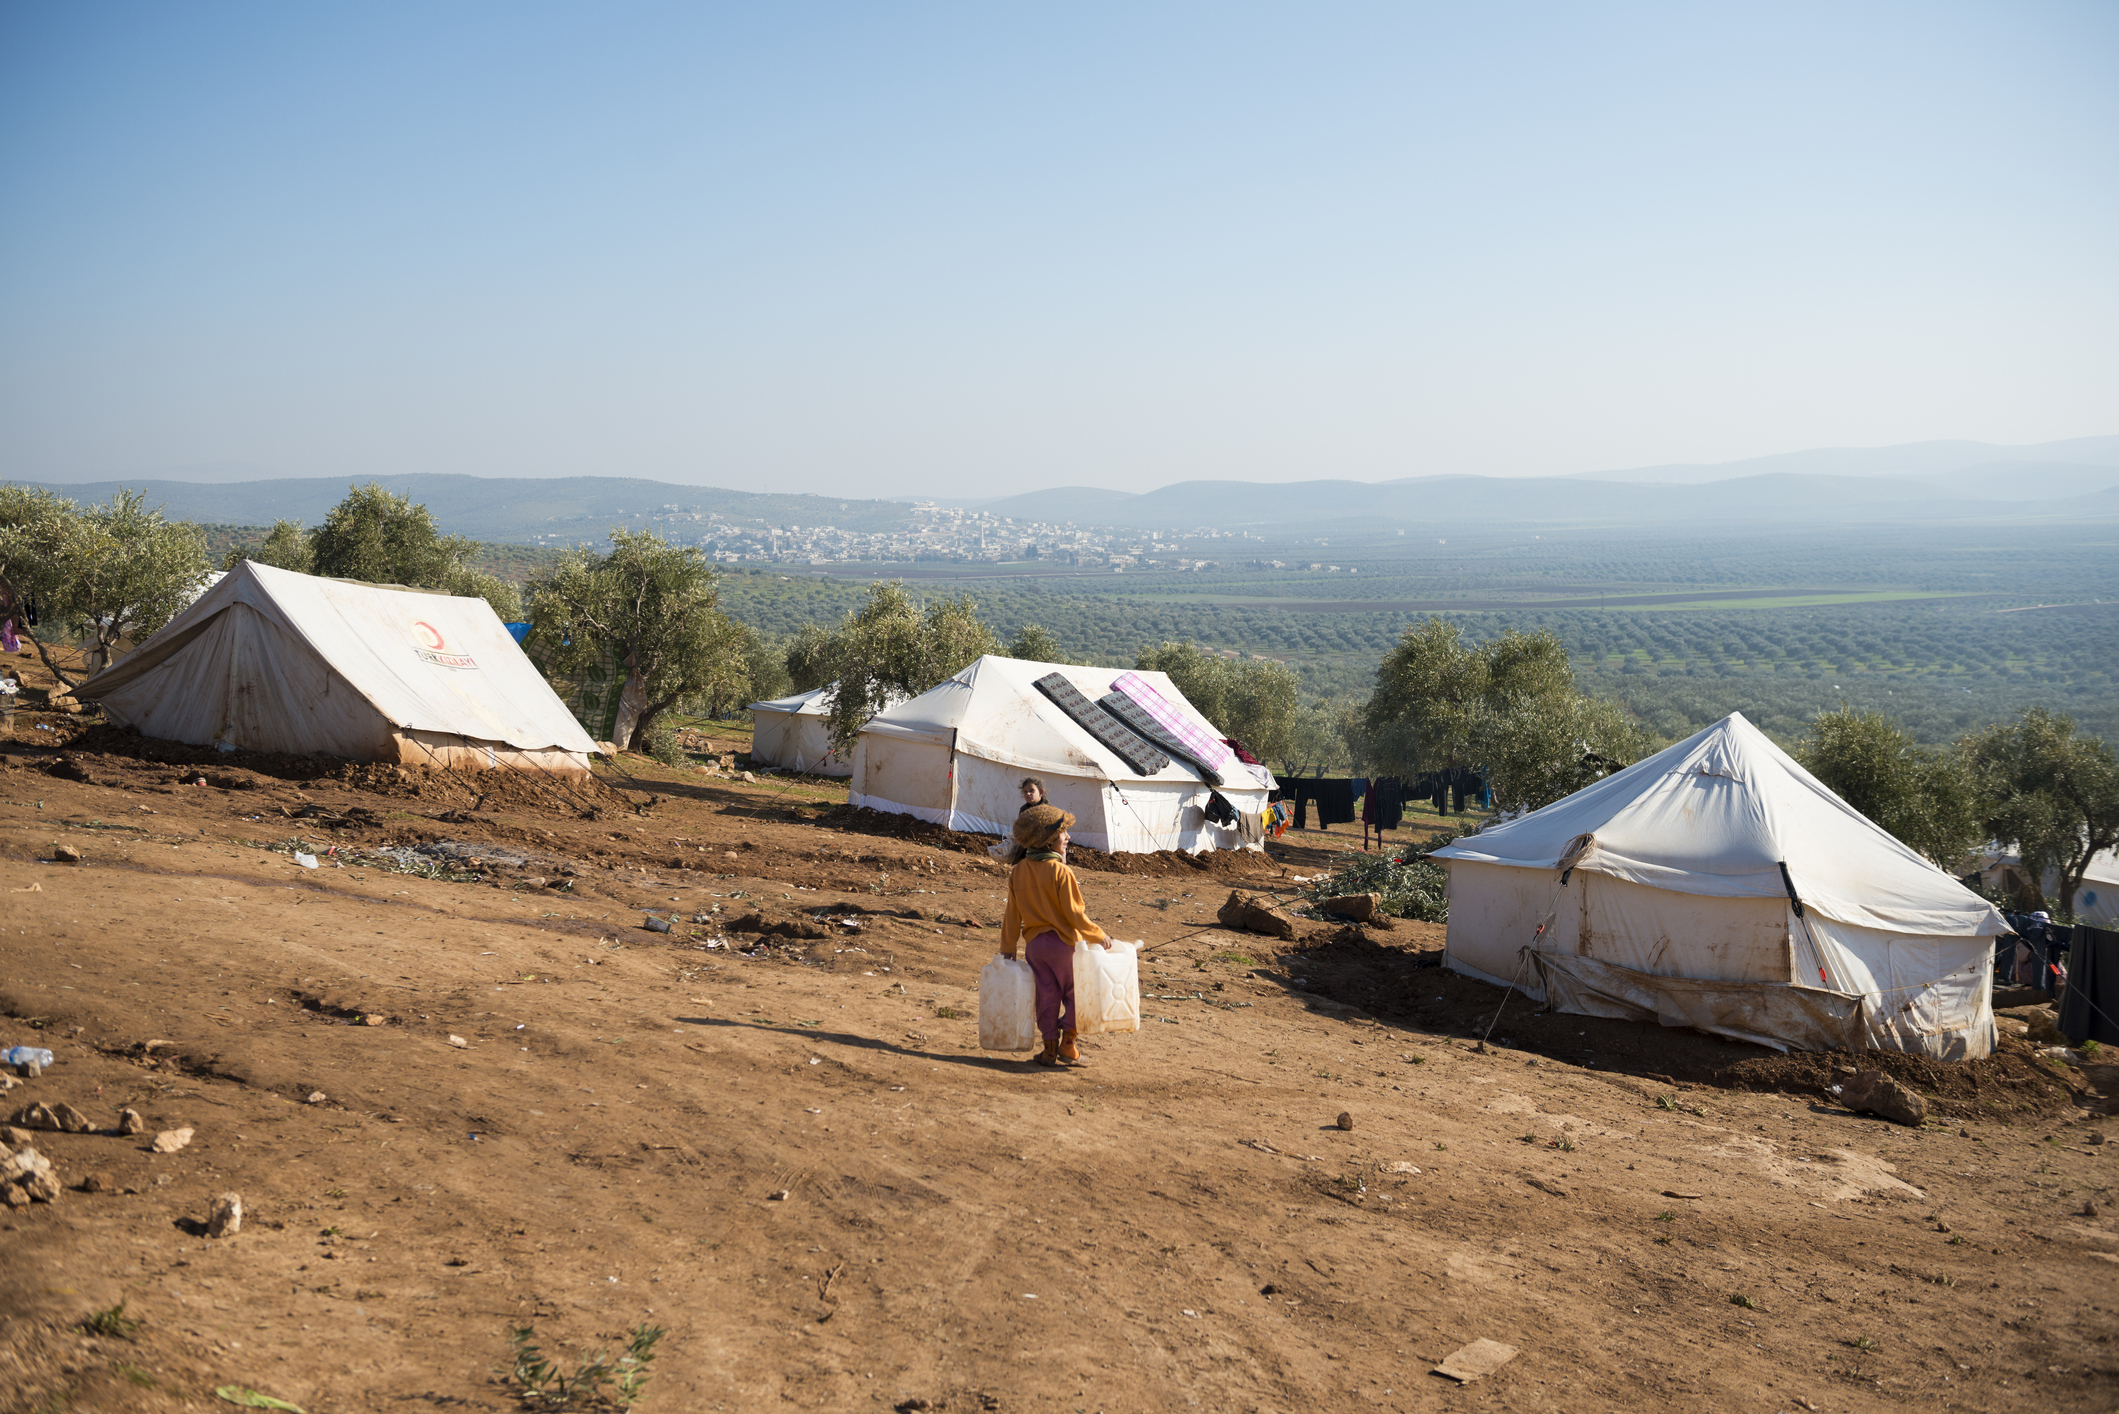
(963, 249)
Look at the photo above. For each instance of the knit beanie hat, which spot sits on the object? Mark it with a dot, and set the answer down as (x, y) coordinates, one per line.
(1039, 827)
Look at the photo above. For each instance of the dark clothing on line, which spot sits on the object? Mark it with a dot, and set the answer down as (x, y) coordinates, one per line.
(2090, 1009)
(1441, 786)
(1334, 799)
(1390, 809)
(1383, 804)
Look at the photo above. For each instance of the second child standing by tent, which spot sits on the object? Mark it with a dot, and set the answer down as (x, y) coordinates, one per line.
(1045, 907)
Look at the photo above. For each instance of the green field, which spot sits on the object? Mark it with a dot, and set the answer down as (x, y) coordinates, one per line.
(1935, 627)
(1945, 629)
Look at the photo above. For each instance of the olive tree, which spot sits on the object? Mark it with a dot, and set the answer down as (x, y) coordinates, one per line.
(1251, 700)
(1324, 735)
(2050, 792)
(808, 658)
(287, 547)
(767, 664)
(109, 573)
(751, 669)
(653, 606)
(1508, 709)
(891, 647)
(34, 525)
(1922, 797)
(1033, 644)
(383, 538)
(1539, 748)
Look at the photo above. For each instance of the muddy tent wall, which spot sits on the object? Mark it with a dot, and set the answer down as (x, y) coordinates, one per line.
(795, 733)
(271, 660)
(1668, 892)
(903, 774)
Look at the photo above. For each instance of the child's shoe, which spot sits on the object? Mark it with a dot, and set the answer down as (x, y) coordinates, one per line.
(1050, 1055)
(1070, 1051)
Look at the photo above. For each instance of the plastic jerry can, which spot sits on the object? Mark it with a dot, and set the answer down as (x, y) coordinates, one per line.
(1106, 987)
(1007, 1005)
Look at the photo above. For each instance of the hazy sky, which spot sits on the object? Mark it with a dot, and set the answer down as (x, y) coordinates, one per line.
(969, 249)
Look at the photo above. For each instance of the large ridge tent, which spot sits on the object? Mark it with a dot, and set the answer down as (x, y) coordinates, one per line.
(271, 660)
(795, 732)
(1719, 885)
(955, 754)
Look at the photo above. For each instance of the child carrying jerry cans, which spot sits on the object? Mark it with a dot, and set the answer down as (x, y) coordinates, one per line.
(1045, 906)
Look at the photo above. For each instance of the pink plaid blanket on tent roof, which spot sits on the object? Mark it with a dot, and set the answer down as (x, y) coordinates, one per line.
(1207, 749)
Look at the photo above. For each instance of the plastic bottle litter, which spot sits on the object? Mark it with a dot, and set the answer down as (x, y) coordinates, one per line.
(1106, 987)
(26, 1055)
(1007, 1005)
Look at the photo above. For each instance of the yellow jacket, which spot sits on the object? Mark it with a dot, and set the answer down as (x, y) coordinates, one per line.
(1043, 897)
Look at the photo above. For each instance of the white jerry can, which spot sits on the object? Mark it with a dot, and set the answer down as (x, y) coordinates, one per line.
(1106, 987)
(1007, 1005)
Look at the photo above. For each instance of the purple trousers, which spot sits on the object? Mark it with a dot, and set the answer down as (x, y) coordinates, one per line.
(1052, 964)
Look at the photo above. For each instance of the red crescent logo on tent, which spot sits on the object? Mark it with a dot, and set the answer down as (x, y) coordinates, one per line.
(430, 647)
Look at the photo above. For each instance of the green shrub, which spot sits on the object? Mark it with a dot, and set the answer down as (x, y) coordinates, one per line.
(599, 1382)
(1416, 890)
(661, 745)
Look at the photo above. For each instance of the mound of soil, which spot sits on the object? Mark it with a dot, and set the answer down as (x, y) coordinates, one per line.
(1396, 980)
(482, 790)
(103, 739)
(860, 820)
(1224, 863)
(2012, 1083)
(102, 752)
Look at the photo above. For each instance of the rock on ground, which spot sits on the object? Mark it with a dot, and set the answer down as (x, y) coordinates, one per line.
(1254, 913)
(26, 1177)
(63, 1118)
(1874, 1092)
(1357, 908)
(226, 1219)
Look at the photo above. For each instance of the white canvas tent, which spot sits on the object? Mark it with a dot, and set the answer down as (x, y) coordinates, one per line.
(271, 660)
(955, 755)
(795, 732)
(2096, 899)
(1669, 891)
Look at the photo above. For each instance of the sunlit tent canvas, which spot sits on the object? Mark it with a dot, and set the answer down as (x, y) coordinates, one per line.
(795, 732)
(1669, 891)
(271, 660)
(954, 756)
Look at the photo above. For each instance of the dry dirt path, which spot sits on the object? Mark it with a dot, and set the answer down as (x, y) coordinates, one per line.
(1180, 1225)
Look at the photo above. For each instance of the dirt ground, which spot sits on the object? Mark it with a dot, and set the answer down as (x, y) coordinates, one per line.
(461, 1088)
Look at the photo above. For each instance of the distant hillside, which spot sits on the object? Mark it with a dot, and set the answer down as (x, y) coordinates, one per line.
(504, 508)
(1786, 499)
(586, 508)
(1918, 460)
